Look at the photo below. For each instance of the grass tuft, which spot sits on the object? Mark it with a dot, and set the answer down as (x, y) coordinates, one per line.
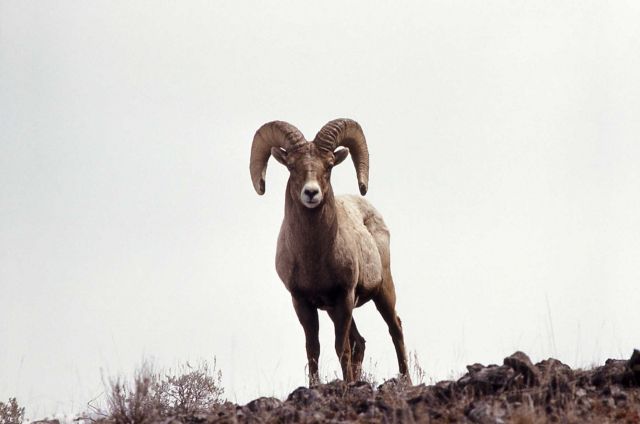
(185, 391)
(417, 373)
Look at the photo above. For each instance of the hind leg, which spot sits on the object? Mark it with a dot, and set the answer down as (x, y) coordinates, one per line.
(385, 302)
(357, 343)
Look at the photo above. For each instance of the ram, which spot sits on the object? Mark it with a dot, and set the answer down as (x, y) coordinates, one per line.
(333, 251)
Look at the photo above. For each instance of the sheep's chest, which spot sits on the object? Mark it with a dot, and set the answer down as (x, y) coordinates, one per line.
(320, 300)
(318, 286)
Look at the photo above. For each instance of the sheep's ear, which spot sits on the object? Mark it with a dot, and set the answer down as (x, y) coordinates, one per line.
(340, 155)
(279, 154)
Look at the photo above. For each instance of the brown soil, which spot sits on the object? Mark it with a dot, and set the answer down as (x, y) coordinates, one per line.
(515, 392)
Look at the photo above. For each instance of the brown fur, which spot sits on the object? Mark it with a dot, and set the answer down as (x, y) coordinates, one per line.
(334, 257)
(333, 254)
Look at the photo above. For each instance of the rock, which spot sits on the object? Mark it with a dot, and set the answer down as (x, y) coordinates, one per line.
(318, 417)
(304, 396)
(360, 389)
(480, 412)
(585, 402)
(550, 366)
(614, 371)
(609, 402)
(444, 390)
(334, 388)
(288, 414)
(617, 394)
(392, 385)
(263, 404)
(486, 380)
(634, 366)
(521, 363)
(558, 377)
(475, 368)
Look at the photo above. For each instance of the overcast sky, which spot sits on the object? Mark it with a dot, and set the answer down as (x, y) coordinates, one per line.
(504, 140)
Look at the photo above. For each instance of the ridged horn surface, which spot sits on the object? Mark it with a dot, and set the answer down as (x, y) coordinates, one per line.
(347, 133)
(272, 134)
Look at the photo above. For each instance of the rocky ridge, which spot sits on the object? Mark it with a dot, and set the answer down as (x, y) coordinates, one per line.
(516, 391)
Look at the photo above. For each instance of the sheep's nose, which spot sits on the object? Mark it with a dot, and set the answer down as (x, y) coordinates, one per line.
(311, 192)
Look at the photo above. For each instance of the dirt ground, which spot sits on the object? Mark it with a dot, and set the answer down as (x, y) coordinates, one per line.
(515, 392)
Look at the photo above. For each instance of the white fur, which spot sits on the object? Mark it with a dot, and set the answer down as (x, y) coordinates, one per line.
(311, 202)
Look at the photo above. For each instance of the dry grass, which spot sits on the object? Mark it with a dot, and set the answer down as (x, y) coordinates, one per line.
(137, 403)
(188, 390)
(418, 374)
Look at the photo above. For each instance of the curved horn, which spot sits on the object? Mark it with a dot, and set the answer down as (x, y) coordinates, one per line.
(347, 133)
(272, 134)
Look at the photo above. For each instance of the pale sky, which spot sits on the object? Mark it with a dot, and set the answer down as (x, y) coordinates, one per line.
(504, 140)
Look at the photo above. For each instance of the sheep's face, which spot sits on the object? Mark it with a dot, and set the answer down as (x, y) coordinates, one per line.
(309, 171)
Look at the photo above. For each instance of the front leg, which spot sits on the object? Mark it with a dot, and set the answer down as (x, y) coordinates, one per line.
(341, 314)
(308, 317)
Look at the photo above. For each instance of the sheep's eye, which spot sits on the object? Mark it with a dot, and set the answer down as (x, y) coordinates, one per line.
(291, 167)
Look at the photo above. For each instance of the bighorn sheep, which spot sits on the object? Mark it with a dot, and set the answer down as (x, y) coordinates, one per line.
(333, 251)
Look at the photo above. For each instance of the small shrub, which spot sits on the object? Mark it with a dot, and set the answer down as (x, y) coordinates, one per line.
(11, 413)
(195, 389)
(153, 395)
(135, 404)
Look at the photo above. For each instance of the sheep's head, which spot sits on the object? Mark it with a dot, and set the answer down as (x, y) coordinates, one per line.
(309, 163)
(309, 171)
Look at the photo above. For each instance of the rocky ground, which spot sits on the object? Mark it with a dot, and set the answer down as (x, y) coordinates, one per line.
(516, 391)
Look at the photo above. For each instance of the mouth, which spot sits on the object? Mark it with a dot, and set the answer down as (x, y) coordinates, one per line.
(311, 203)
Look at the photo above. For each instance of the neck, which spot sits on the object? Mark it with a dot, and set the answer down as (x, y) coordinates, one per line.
(313, 230)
